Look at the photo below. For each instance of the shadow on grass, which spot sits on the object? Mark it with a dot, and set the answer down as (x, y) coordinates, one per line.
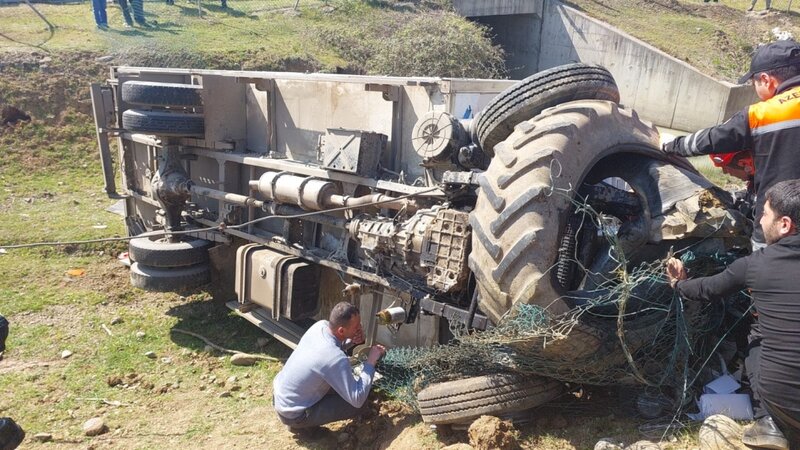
(212, 320)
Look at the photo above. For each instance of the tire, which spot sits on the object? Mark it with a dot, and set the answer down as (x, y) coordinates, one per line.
(462, 401)
(151, 249)
(518, 217)
(149, 93)
(526, 99)
(169, 279)
(163, 123)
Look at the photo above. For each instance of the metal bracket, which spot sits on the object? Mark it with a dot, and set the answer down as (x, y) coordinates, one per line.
(390, 93)
(430, 306)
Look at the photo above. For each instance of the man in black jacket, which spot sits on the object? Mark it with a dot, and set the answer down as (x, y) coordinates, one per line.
(773, 276)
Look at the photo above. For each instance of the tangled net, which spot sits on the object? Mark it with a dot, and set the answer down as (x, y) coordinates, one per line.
(632, 329)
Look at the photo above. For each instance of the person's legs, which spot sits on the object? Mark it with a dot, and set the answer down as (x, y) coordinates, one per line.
(788, 422)
(769, 4)
(3, 333)
(751, 367)
(331, 408)
(99, 9)
(126, 12)
(752, 5)
(138, 11)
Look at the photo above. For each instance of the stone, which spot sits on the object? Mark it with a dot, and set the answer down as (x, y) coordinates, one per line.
(94, 427)
(490, 433)
(608, 444)
(140, 335)
(241, 359)
(262, 342)
(458, 446)
(66, 354)
(720, 432)
(116, 320)
(231, 379)
(151, 355)
(643, 445)
(42, 437)
(225, 394)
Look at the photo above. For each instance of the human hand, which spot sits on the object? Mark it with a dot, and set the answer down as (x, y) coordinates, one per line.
(675, 271)
(375, 353)
(358, 338)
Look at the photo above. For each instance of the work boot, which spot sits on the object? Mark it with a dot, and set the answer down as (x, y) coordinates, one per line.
(765, 434)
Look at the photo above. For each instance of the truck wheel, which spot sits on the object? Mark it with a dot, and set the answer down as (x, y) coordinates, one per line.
(169, 279)
(150, 93)
(154, 250)
(526, 99)
(462, 401)
(525, 198)
(163, 123)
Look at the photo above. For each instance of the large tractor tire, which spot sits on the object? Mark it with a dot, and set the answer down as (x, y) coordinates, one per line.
(463, 401)
(538, 92)
(155, 250)
(526, 193)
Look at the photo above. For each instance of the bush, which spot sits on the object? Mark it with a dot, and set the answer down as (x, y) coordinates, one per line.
(437, 43)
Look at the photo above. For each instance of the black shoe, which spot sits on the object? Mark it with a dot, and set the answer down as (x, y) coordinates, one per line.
(309, 433)
(765, 434)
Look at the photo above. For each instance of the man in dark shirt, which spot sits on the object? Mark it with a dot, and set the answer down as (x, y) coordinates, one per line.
(773, 276)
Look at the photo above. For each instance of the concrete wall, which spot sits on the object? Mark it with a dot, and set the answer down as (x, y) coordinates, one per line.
(482, 8)
(662, 89)
(519, 35)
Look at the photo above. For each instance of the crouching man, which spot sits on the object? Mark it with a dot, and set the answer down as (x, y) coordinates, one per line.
(773, 276)
(317, 385)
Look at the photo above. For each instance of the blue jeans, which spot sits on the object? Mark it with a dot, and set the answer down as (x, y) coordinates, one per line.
(138, 11)
(331, 408)
(99, 8)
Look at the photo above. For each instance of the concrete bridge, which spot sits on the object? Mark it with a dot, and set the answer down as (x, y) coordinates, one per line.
(540, 34)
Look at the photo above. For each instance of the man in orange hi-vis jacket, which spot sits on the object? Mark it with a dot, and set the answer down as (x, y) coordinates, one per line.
(770, 128)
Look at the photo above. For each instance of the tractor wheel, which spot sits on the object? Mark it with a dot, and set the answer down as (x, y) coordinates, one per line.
(163, 123)
(169, 279)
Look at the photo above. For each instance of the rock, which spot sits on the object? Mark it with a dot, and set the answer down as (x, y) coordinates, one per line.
(151, 355)
(94, 427)
(166, 360)
(608, 444)
(458, 446)
(262, 342)
(643, 445)
(116, 320)
(720, 432)
(225, 394)
(489, 432)
(235, 387)
(208, 349)
(42, 437)
(46, 59)
(114, 380)
(104, 58)
(140, 335)
(231, 379)
(241, 359)
(66, 354)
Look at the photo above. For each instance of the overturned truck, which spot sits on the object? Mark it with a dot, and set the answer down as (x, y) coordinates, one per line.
(444, 201)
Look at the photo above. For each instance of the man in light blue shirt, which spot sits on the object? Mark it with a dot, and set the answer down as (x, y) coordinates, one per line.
(317, 385)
